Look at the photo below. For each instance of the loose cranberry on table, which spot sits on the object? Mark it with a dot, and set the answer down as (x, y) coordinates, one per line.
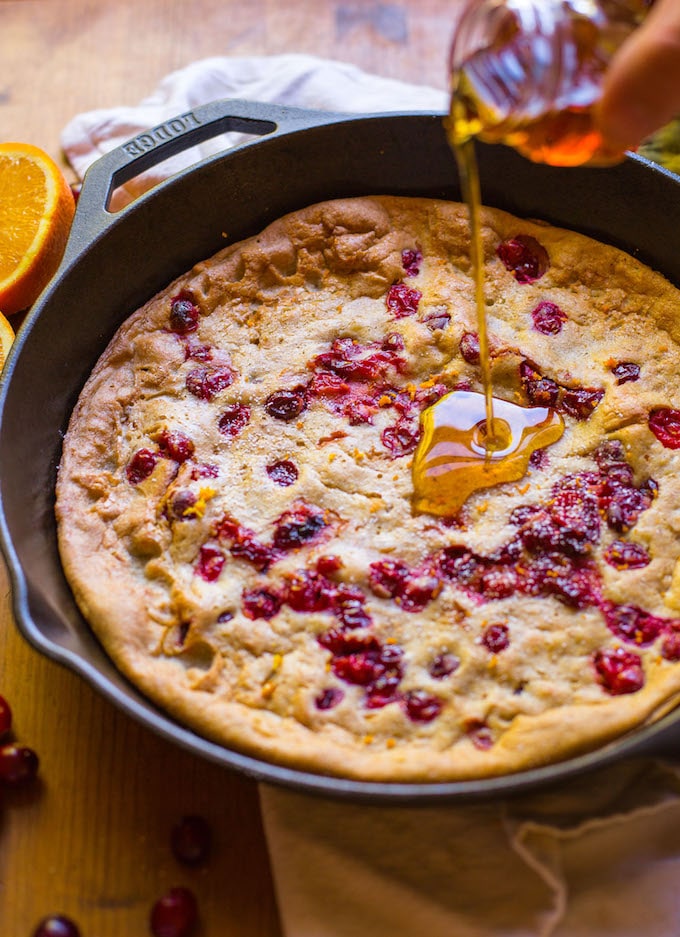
(56, 926)
(175, 914)
(191, 840)
(18, 764)
(5, 717)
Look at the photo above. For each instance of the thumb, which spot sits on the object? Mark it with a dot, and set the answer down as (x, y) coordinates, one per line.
(641, 90)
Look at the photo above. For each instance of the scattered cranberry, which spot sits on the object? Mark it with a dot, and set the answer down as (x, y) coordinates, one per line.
(140, 466)
(284, 472)
(625, 371)
(411, 261)
(5, 717)
(233, 419)
(622, 554)
(524, 257)
(548, 318)
(206, 383)
(210, 562)
(541, 391)
(175, 914)
(619, 671)
(469, 347)
(665, 424)
(329, 698)
(496, 638)
(191, 840)
(173, 444)
(403, 301)
(56, 926)
(18, 764)
(286, 405)
(184, 314)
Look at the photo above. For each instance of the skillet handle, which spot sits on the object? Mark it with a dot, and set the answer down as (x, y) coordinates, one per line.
(169, 139)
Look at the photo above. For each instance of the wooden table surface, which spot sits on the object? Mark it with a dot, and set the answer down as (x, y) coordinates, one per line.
(91, 839)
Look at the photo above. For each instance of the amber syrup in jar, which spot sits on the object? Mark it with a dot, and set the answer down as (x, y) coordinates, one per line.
(528, 74)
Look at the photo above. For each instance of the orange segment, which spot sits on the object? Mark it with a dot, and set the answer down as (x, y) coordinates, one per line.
(36, 211)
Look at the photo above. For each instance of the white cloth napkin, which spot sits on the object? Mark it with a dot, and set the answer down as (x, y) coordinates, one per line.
(599, 858)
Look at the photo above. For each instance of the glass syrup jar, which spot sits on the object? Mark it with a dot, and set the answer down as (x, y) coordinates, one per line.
(528, 74)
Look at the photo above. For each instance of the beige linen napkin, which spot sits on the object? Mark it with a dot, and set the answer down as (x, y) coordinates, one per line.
(599, 858)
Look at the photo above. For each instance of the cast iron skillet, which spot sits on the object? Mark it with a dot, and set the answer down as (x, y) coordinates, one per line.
(114, 262)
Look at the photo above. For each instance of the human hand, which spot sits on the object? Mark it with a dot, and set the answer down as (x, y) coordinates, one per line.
(641, 91)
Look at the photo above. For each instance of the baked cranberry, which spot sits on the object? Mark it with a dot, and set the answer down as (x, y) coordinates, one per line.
(402, 300)
(261, 603)
(623, 506)
(327, 565)
(443, 665)
(18, 764)
(210, 562)
(175, 914)
(632, 623)
(498, 582)
(309, 591)
(5, 717)
(437, 320)
(184, 314)
(56, 925)
(204, 470)
(243, 543)
(548, 318)
(182, 504)
(609, 452)
(400, 439)
(327, 384)
(329, 698)
(298, 527)
(173, 444)
(411, 260)
(191, 840)
(622, 554)
(496, 638)
(479, 734)
(541, 391)
(670, 646)
(421, 706)
(206, 383)
(140, 466)
(286, 405)
(342, 643)
(524, 257)
(195, 352)
(619, 671)
(469, 347)
(625, 371)
(233, 419)
(386, 577)
(349, 607)
(665, 424)
(361, 668)
(579, 402)
(284, 472)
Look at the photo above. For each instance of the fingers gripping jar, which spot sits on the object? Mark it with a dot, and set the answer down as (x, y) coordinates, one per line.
(528, 73)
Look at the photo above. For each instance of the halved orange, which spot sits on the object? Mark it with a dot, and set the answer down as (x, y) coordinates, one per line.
(36, 211)
(6, 339)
